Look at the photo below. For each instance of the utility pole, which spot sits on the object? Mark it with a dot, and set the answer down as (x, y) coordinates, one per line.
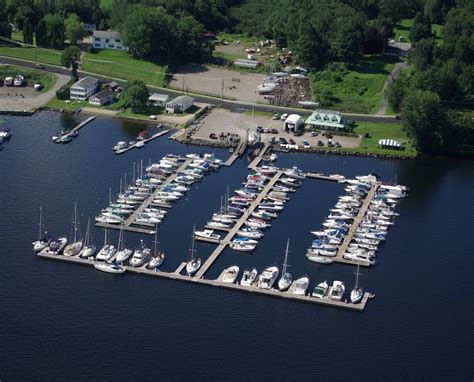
(183, 83)
(222, 93)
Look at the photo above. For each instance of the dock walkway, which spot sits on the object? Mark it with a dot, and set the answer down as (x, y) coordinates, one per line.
(142, 142)
(238, 152)
(237, 225)
(75, 129)
(216, 283)
(256, 161)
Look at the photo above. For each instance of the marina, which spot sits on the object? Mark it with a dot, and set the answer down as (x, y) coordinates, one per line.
(66, 136)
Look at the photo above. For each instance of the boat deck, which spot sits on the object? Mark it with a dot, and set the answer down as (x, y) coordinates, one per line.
(143, 270)
(142, 142)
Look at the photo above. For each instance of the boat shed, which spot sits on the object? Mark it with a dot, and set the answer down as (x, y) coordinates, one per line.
(326, 120)
(390, 144)
(157, 99)
(179, 104)
(294, 122)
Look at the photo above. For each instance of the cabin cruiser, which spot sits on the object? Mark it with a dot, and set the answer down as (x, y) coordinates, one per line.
(319, 259)
(140, 256)
(301, 285)
(294, 173)
(320, 290)
(42, 243)
(156, 260)
(120, 146)
(244, 240)
(147, 219)
(106, 253)
(5, 133)
(55, 246)
(207, 234)
(230, 274)
(218, 225)
(109, 268)
(249, 277)
(250, 233)
(242, 246)
(337, 290)
(268, 277)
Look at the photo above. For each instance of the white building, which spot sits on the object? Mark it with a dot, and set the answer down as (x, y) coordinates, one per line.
(326, 120)
(179, 104)
(102, 98)
(157, 99)
(107, 40)
(84, 88)
(293, 123)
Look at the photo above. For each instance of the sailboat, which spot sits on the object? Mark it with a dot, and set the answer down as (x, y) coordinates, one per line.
(286, 278)
(122, 253)
(158, 256)
(107, 250)
(75, 247)
(358, 292)
(43, 239)
(194, 263)
(88, 248)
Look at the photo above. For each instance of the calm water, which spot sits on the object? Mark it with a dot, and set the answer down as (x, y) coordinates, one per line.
(65, 321)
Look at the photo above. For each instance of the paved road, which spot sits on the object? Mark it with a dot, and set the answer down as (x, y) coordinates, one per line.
(237, 105)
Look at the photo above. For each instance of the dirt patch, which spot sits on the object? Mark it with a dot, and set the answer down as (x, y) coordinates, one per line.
(225, 121)
(213, 81)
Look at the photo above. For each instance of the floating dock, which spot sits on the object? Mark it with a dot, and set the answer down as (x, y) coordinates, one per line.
(74, 130)
(256, 161)
(141, 143)
(238, 152)
(128, 224)
(176, 275)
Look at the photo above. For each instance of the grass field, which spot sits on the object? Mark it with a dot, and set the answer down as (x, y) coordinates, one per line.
(120, 64)
(357, 88)
(403, 29)
(378, 131)
(46, 56)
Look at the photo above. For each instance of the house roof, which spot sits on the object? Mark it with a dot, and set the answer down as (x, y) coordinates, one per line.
(86, 82)
(106, 34)
(159, 97)
(293, 118)
(104, 94)
(181, 99)
(323, 117)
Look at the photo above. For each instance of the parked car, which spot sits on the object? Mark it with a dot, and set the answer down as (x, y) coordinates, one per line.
(313, 134)
(330, 144)
(282, 140)
(284, 117)
(274, 131)
(213, 136)
(292, 142)
(266, 130)
(306, 144)
(337, 144)
(39, 66)
(276, 116)
(328, 135)
(259, 129)
(320, 143)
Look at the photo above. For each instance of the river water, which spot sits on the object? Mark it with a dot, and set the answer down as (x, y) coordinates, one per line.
(65, 321)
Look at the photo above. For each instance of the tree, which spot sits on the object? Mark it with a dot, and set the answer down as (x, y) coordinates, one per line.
(134, 95)
(396, 92)
(190, 41)
(74, 28)
(425, 120)
(50, 31)
(420, 29)
(422, 54)
(374, 42)
(70, 59)
(27, 32)
(5, 29)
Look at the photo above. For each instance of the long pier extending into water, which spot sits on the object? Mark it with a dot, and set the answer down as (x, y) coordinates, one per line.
(128, 224)
(223, 244)
(176, 275)
(75, 129)
(262, 152)
(142, 142)
(238, 152)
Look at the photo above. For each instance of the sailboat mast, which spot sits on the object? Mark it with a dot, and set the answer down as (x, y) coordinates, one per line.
(86, 239)
(357, 277)
(75, 222)
(192, 243)
(40, 224)
(105, 237)
(156, 238)
(285, 263)
(133, 176)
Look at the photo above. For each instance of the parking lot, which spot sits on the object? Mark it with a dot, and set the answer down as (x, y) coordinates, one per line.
(223, 121)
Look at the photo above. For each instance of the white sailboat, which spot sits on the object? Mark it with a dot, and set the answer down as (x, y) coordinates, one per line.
(43, 239)
(358, 292)
(158, 256)
(286, 278)
(75, 247)
(107, 250)
(122, 253)
(140, 256)
(194, 263)
(88, 248)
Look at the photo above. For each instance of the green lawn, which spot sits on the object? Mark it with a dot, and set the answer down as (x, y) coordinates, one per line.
(120, 64)
(31, 76)
(46, 56)
(403, 29)
(378, 131)
(357, 88)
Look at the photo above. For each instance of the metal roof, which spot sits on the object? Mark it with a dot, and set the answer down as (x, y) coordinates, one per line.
(86, 82)
(106, 34)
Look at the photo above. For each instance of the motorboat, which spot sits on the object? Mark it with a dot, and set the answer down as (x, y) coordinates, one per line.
(55, 247)
(75, 247)
(140, 255)
(249, 277)
(88, 249)
(256, 223)
(294, 173)
(286, 278)
(337, 290)
(207, 234)
(242, 247)
(268, 277)
(5, 133)
(147, 219)
(320, 290)
(43, 239)
(319, 259)
(218, 225)
(300, 286)
(120, 146)
(244, 240)
(109, 268)
(107, 251)
(230, 274)
(250, 233)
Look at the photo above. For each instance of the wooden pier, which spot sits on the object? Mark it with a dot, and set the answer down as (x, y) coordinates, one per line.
(74, 130)
(176, 275)
(256, 161)
(142, 142)
(238, 224)
(322, 177)
(128, 224)
(238, 152)
(339, 258)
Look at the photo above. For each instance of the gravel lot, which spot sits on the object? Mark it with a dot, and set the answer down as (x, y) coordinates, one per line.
(226, 121)
(208, 80)
(26, 98)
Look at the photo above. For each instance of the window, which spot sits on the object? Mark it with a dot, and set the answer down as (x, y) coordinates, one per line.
(106, 40)
(117, 40)
(96, 39)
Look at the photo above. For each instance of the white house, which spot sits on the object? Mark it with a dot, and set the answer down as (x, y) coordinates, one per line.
(102, 98)
(107, 40)
(157, 99)
(326, 119)
(293, 123)
(179, 104)
(84, 88)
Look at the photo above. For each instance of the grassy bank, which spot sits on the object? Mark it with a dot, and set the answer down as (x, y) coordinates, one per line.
(31, 76)
(120, 64)
(356, 88)
(403, 29)
(46, 56)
